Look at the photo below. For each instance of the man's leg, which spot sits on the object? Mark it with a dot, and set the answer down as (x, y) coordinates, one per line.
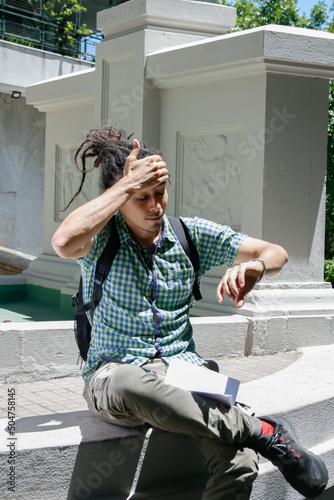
(232, 468)
(130, 395)
(134, 396)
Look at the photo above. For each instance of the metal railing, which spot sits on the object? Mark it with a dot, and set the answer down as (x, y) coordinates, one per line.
(30, 28)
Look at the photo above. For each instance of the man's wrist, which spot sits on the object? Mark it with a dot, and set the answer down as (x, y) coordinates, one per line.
(125, 187)
(263, 265)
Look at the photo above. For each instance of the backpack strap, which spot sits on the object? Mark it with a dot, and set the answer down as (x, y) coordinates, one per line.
(109, 253)
(182, 233)
(103, 266)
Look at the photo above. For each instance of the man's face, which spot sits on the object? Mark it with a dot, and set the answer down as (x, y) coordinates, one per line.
(143, 212)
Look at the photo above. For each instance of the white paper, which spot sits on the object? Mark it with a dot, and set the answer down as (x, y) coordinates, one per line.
(197, 379)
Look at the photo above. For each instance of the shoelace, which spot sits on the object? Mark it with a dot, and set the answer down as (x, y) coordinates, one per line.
(276, 444)
(282, 451)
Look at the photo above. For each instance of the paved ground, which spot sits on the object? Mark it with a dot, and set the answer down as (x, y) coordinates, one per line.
(65, 394)
(248, 368)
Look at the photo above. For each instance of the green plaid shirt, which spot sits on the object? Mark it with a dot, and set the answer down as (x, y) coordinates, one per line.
(147, 297)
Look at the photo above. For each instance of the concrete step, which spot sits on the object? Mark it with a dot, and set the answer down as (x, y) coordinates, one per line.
(271, 485)
(303, 392)
(75, 456)
(73, 467)
(46, 349)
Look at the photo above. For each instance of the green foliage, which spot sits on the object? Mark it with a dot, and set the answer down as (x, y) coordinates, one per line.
(329, 232)
(13, 39)
(285, 12)
(329, 271)
(279, 12)
(330, 23)
(62, 18)
(248, 14)
(318, 17)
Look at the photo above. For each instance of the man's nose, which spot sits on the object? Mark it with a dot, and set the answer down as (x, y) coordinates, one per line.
(154, 204)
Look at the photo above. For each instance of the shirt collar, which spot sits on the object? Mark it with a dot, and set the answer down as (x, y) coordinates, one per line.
(122, 228)
(169, 231)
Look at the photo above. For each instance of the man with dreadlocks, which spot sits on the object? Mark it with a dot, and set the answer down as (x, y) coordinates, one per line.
(142, 320)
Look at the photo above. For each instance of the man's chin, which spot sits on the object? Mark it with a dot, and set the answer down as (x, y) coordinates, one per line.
(154, 224)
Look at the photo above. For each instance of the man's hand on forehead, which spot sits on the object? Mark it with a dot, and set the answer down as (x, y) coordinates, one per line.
(145, 173)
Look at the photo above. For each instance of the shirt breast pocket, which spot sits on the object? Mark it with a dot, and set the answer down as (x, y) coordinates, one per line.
(180, 280)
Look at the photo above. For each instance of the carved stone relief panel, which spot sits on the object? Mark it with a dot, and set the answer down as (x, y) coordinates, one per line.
(208, 174)
(68, 179)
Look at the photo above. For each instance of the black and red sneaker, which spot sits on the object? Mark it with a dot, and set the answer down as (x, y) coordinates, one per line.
(303, 470)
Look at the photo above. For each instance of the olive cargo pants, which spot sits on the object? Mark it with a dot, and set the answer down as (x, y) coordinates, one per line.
(129, 395)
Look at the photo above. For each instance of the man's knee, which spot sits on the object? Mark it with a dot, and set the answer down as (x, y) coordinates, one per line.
(113, 386)
(123, 380)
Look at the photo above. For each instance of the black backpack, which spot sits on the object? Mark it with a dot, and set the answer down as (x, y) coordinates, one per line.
(82, 328)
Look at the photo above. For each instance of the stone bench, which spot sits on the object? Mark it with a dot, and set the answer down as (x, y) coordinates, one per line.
(75, 456)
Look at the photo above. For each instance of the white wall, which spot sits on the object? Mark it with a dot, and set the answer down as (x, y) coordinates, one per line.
(22, 149)
(229, 185)
(241, 120)
(22, 144)
(295, 172)
(22, 66)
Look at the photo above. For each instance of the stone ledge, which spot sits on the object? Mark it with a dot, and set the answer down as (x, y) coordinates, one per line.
(44, 350)
(15, 261)
(100, 460)
(92, 459)
(303, 392)
(306, 383)
(199, 17)
(279, 49)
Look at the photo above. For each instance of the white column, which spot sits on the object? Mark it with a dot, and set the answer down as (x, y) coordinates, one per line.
(133, 30)
(115, 92)
(244, 132)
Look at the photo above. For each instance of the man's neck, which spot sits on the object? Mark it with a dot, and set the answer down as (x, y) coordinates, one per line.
(147, 240)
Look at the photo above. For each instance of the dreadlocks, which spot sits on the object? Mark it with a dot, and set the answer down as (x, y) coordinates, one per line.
(110, 151)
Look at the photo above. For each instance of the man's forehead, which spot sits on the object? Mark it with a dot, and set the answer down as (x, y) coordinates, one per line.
(159, 186)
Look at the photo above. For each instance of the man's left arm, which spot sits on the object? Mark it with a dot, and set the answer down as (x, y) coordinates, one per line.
(241, 279)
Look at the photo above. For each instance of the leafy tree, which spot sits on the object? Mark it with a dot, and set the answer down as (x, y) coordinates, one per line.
(279, 12)
(329, 232)
(248, 14)
(285, 12)
(259, 13)
(61, 18)
(318, 17)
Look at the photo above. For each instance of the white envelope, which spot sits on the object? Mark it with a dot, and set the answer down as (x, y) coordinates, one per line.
(206, 382)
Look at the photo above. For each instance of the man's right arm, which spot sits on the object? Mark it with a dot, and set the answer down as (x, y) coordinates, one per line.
(74, 237)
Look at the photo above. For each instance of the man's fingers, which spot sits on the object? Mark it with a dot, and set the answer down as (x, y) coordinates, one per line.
(239, 300)
(220, 295)
(224, 289)
(136, 147)
(232, 285)
(135, 150)
(132, 156)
